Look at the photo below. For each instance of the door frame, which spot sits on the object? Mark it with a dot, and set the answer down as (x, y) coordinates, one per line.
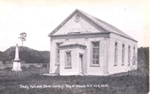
(81, 72)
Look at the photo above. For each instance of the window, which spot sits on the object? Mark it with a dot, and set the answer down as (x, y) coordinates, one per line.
(68, 59)
(116, 53)
(95, 53)
(129, 52)
(134, 56)
(123, 54)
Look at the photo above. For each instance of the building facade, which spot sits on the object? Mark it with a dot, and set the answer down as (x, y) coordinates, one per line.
(85, 45)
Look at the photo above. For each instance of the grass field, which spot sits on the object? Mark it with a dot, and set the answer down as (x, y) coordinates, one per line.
(31, 81)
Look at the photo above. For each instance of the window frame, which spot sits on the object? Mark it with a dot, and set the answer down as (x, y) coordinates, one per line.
(66, 60)
(129, 55)
(123, 54)
(92, 64)
(116, 54)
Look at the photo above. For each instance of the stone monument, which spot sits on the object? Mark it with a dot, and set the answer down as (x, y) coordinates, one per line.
(16, 61)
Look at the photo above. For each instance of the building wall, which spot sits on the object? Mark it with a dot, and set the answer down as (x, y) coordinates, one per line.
(89, 70)
(83, 52)
(119, 68)
(74, 70)
(84, 26)
(53, 66)
(68, 71)
(53, 54)
(107, 46)
(96, 70)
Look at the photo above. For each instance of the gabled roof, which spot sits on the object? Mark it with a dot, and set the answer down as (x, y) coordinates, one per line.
(107, 27)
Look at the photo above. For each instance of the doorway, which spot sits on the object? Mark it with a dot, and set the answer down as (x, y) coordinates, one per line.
(81, 64)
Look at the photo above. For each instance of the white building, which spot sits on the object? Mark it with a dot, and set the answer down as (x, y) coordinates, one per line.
(85, 45)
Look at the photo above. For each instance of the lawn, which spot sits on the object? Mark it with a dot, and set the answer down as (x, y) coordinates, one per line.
(31, 81)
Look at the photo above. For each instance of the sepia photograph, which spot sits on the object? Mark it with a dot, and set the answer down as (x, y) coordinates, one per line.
(74, 47)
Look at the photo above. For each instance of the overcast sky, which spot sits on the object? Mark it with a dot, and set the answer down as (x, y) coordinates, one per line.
(39, 17)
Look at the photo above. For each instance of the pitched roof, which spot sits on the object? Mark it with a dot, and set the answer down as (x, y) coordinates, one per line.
(102, 24)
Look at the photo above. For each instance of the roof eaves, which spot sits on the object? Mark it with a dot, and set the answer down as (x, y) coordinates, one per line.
(125, 36)
(80, 34)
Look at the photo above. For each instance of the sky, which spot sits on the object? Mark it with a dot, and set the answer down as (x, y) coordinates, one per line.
(39, 17)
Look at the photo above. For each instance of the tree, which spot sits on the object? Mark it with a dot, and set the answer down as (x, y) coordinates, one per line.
(22, 37)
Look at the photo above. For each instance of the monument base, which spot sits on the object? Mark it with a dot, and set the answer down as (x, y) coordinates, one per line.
(16, 66)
